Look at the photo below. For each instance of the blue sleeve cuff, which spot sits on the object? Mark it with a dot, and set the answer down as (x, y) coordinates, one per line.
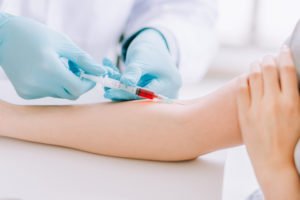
(128, 41)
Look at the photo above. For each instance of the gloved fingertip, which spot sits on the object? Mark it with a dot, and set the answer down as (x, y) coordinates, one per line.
(99, 70)
(89, 84)
(110, 96)
(131, 76)
(107, 95)
(107, 62)
(113, 74)
(128, 82)
(74, 68)
(106, 90)
(81, 87)
(66, 94)
(121, 95)
(90, 66)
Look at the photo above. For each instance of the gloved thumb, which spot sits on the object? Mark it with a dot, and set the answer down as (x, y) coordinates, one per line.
(111, 69)
(74, 86)
(108, 63)
(82, 59)
(161, 87)
(131, 75)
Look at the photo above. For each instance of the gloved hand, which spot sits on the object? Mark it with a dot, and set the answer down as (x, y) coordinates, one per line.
(149, 65)
(30, 54)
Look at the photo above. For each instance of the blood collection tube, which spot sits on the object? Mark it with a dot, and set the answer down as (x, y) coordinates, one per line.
(115, 84)
(146, 94)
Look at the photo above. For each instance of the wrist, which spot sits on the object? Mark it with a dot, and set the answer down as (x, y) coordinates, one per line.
(266, 171)
(271, 161)
(280, 183)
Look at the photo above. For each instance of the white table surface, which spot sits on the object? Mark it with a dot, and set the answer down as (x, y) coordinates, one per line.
(239, 178)
(31, 171)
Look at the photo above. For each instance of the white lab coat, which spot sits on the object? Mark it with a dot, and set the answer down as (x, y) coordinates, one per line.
(96, 25)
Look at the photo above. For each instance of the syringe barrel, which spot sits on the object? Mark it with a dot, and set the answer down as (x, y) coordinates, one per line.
(116, 84)
(145, 93)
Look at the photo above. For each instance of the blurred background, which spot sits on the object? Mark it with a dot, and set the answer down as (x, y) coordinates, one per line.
(247, 30)
(250, 29)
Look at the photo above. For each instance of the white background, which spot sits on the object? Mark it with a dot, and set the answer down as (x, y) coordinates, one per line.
(249, 29)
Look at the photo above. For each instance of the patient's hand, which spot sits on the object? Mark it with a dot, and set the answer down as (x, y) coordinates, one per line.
(269, 114)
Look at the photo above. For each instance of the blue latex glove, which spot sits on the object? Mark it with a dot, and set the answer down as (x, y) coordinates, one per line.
(31, 56)
(149, 65)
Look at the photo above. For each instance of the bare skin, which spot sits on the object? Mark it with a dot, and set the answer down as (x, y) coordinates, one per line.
(138, 129)
(269, 114)
(176, 132)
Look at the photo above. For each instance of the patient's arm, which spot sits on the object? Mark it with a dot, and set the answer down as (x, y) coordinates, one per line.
(137, 129)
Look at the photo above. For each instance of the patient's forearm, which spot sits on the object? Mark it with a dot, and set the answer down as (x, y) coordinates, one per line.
(139, 129)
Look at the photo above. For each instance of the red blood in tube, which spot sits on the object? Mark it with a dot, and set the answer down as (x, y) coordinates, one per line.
(146, 94)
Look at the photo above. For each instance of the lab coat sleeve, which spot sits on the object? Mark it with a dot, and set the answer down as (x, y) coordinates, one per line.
(188, 26)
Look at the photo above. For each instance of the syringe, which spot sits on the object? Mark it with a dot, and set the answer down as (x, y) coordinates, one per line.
(115, 84)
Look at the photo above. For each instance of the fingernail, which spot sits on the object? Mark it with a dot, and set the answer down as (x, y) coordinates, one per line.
(269, 61)
(255, 67)
(285, 58)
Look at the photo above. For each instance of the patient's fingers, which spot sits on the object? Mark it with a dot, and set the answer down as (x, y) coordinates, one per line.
(243, 97)
(288, 74)
(270, 76)
(256, 83)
